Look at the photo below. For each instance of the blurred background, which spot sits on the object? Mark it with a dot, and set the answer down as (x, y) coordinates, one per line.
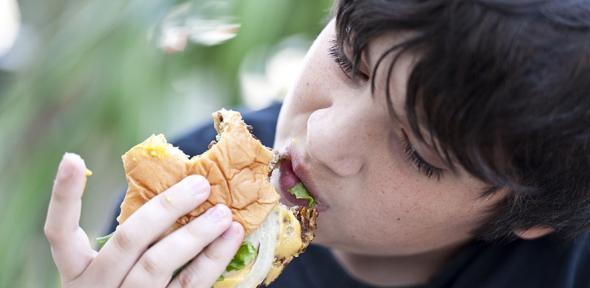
(96, 77)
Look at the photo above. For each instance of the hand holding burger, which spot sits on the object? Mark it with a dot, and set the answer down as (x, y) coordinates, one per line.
(237, 167)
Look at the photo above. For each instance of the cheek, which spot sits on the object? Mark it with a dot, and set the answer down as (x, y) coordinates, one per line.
(400, 213)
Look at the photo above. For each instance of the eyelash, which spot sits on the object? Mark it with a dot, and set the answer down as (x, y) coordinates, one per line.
(336, 54)
(344, 63)
(413, 156)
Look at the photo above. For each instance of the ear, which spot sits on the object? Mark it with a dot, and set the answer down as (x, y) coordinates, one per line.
(533, 232)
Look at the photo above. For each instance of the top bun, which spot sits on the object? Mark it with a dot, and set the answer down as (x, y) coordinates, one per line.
(237, 167)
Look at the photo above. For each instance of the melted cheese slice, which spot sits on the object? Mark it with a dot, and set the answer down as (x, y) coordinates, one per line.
(232, 279)
(289, 234)
(289, 245)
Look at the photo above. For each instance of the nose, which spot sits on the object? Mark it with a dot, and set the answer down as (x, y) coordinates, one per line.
(333, 139)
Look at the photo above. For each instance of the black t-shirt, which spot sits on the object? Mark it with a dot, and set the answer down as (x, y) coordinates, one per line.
(544, 262)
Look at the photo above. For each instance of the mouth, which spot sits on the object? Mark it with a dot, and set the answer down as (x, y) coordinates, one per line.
(292, 173)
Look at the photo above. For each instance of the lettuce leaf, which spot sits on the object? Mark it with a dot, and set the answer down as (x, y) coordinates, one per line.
(300, 192)
(246, 254)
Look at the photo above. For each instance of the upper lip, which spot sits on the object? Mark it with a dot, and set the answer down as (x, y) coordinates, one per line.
(300, 169)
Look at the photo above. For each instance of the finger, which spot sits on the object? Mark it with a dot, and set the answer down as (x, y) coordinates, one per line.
(209, 265)
(70, 246)
(145, 226)
(156, 266)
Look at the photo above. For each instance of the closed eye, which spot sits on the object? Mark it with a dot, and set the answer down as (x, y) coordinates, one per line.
(337, 53)
(412, 155)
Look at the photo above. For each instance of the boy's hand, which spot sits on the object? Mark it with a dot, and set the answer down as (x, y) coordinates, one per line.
(132, 258)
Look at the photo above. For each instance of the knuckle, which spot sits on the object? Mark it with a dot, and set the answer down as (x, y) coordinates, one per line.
(122, 240)
(211, 255)
(59, 195)
(150, 264)
(52, 234)
(187, 277)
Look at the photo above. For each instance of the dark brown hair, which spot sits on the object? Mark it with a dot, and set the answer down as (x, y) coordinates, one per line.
(503, 86)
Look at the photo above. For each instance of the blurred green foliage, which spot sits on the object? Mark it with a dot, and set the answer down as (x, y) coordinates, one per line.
(96, 85)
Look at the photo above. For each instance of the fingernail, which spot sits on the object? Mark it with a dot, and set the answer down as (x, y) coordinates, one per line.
(234, 231)
(66, 168)
(197, 185)
(64, 171)
(217, 213)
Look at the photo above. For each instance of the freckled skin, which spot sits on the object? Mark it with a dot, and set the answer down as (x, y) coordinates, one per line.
(379, 203)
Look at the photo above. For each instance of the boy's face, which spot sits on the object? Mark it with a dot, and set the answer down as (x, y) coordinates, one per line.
(376, 200)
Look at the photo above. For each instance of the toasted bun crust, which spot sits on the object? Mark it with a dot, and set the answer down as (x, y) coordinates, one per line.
(237, 168)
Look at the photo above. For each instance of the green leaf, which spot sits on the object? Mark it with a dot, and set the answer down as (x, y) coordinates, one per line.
(100, 241)
(300, 192)
(246, 254)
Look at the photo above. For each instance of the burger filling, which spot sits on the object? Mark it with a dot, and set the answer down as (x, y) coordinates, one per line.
(300, 192)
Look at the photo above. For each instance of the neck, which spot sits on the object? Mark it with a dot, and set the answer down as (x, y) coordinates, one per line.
(388, 271)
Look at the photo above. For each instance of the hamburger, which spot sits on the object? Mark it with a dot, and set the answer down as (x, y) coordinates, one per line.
(237, 167)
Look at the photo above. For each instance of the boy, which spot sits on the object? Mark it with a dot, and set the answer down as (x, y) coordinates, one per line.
(447, 143)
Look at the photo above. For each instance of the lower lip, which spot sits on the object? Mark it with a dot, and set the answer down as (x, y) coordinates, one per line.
(287, 180)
